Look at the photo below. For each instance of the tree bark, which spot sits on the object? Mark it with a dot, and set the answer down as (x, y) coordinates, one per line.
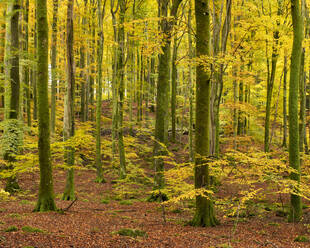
(204, 215)
(69, 126)
(54, 65)
(46, 194)
(294, 157)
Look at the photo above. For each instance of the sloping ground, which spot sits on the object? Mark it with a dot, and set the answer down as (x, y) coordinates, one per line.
(90, 223)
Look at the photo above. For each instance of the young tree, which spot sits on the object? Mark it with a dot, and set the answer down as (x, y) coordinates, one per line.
(294, 157)
(101, 13)
(46, 194)
(120, 80)
(53, 65)
(204, 215)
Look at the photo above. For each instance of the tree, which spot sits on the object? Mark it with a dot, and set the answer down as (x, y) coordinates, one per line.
(69, 125)
(294, 157)
(162, 100)
(204, 215)
(271, 77)
(46, 195)
(12, 138)
(120, 80)
(53, 65)
(101, 12)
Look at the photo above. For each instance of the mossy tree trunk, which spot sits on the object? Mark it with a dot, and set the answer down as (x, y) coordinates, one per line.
(69, 127)
(54, 65)
(12, 134)
(120, 79)
(294, 157)
(162, 100)
(46, 195)
(204, 215)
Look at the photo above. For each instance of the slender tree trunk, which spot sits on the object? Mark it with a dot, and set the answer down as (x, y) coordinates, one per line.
(284, 144)
(174, 89)
(69, 126)
(54, 65)
(46, 193)
(26, 67)
(302, 108)
(120, 78)
(34, 77)
(191, 91)
(114, 86)
(101, 12)
(294, 157)
(82, 67)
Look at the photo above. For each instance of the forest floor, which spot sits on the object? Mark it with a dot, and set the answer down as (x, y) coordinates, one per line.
(92, 222)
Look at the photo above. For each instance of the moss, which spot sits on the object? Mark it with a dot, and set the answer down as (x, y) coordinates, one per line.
(125, 202)
(18, 216)
(301, 238)
(26, 202)
(131, 232)
(11, 229)
(30, 229)
(105, 201)
(273, 224)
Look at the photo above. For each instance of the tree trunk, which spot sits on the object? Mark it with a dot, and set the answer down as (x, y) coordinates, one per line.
(191, 91)
(12, 138)
(46, 194)
(69, 128)
(54, 65)
(162, 100)
(204, 215)
(174, 89)
(101, 12)
(284, 144)
(294, 160)
(120, 78)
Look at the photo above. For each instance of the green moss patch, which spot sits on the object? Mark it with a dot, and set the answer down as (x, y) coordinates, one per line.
(11, 229)
(30, 229)
(131, 232)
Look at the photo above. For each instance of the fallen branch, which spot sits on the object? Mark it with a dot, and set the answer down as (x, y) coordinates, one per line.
(71, 204)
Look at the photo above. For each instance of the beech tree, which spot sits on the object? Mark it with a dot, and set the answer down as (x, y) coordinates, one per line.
(162, 100)
(204, 215)
(54, 65)
(12, 138)
(46, 195)
(69, 124)
(294, 157)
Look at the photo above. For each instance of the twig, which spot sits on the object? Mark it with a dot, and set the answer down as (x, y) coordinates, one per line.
(71, 204)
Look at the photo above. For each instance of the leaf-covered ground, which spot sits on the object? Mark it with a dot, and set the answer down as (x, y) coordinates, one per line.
(94, 222)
